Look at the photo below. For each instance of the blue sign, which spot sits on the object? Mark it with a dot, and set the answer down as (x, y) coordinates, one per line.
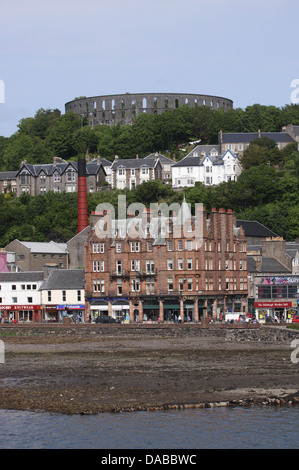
(70, 307)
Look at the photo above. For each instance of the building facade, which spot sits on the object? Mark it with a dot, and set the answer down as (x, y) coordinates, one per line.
(38, 256)
(273, 280)
(61, 176)
(237, 142)
(8, 182)
(62, 295)
(131, 172)
(20, 297)
(168, 274)
(207, 168)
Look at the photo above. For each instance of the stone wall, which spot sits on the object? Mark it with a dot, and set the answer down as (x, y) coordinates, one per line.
(219, 333)
(123, 108)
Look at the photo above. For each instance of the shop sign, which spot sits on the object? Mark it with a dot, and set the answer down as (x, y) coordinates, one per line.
(112, 299)
(20, 307)
(272, 304)
(70, 307)
(149, 299)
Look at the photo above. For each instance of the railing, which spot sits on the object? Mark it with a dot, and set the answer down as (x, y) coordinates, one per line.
(122, 273)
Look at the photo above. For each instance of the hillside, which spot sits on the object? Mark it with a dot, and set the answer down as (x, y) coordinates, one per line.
(266, 191)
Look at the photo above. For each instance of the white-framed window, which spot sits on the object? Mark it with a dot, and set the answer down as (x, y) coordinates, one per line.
(135, 284)
(119, 287)
(170, 264)
(118, 267)
(70, 175)
(170, 284)
(150, 285)
(135, 265)
(150, 266)
(135, 247)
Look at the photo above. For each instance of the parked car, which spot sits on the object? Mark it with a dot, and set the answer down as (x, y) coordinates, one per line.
(106, 319)
(295, 319)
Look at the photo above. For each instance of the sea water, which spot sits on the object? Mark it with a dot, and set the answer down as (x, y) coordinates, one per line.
(211, 428)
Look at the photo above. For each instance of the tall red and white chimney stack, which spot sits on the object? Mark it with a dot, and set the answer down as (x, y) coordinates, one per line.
(82, 195)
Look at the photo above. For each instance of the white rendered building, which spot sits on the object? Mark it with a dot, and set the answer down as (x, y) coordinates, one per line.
(208, 168)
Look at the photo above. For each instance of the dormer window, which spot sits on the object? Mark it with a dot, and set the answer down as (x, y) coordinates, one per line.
(25, 177)
(56, 177)
(70, 175)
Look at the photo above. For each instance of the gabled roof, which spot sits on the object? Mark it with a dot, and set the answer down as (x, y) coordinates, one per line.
(63, 279)
(129, 163)
(191, 160)
(247, 137)
(92, 168)
(252, 228)
(161, 157)
(104, 162)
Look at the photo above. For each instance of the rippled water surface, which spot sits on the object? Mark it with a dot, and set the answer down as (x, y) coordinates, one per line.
(217, 428)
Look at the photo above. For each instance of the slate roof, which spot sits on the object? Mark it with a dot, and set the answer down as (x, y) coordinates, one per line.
(251, 265)
(63, 279)
(252, 228)
(104, 162)
(49, 169)
(269, 265)
(272, 265)
(26, 276)
(245, 137)
(44, 247)
(161, 157)
(191, 160)
(134, 163)
(8, 175)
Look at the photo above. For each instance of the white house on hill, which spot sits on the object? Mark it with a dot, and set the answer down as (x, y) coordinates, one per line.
(207, 168)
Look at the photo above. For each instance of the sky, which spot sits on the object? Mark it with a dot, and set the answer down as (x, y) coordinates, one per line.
(55, 50)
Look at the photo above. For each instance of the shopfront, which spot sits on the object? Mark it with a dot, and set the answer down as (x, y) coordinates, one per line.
(75, 312)
(117, 308)
(171, 309)
(278, 311)
(277, 297)
(120, 310)
(20, 313)
(98, 308)
(51, 314)
(151, 309)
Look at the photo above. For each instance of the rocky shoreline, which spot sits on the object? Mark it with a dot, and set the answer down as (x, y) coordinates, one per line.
(90, 369)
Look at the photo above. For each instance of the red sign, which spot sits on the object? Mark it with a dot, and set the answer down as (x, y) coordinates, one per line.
(273, 304)
(20, 307)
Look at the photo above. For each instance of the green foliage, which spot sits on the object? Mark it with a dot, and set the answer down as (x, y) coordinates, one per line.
(266, 191)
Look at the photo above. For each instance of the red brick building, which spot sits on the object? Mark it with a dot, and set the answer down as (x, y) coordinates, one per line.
(161, 277)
